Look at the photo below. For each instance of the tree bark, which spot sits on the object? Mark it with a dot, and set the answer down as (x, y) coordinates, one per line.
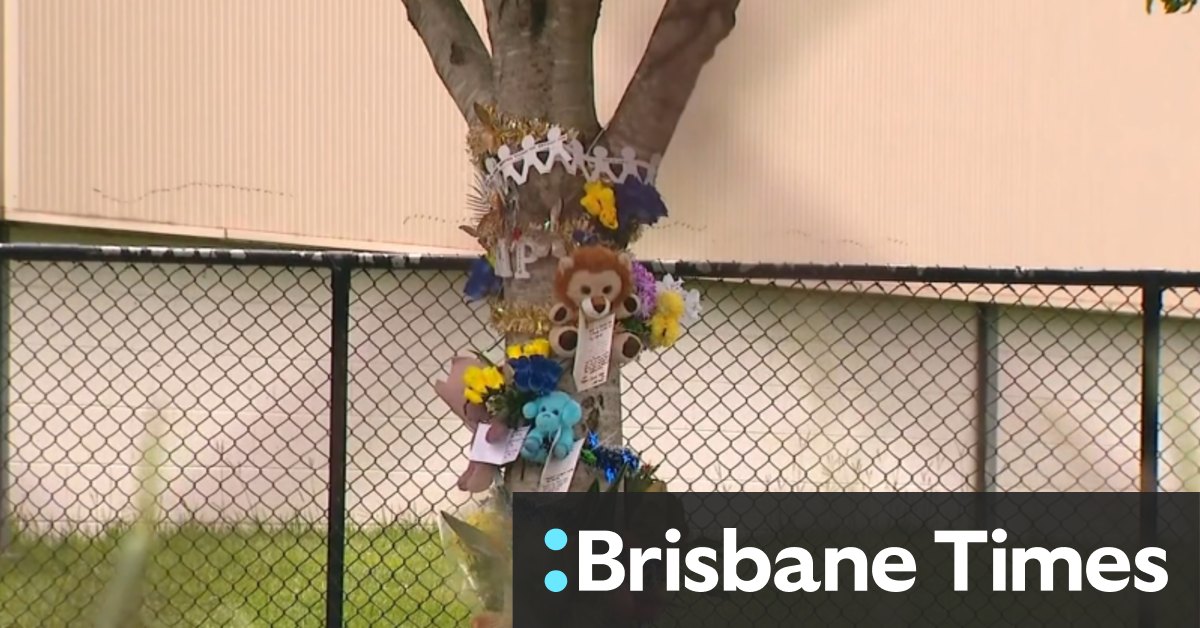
(573, 98)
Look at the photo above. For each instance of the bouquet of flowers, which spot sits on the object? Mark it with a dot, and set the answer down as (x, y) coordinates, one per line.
(479, 543)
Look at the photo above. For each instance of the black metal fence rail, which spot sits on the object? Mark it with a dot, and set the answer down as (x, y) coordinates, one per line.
(308, 456)
(723, 270)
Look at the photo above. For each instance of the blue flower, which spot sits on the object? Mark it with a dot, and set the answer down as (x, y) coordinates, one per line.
(630, 461)
(536, 374)
(482, 281)
(638, 203)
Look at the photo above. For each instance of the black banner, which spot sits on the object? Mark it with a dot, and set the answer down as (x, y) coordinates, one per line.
(856, 559)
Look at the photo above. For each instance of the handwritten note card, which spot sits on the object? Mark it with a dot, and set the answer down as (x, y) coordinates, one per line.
(595, 349)
(499, 453)
(557, 474)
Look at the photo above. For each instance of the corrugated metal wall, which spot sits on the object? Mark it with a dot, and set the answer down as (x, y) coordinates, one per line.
(898, 131)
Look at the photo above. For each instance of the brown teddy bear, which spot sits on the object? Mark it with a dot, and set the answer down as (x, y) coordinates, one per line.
(594, 281)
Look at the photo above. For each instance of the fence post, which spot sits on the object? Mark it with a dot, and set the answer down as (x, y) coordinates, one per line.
(987, 391)
(339, 347)
(6, 531)
(1152, 305)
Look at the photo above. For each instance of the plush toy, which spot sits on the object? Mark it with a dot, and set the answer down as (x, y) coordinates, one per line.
(554, 417)
(478, 476)
(593, 282)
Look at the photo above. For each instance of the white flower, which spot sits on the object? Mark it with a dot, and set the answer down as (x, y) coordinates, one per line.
(670, 284)
(691, 309)
(691, 298)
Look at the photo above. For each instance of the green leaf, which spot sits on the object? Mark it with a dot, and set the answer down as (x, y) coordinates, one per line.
(615, 486)
(1173, 6)
(507, 405)
(636, 326)
(637, 484)
(483, 358)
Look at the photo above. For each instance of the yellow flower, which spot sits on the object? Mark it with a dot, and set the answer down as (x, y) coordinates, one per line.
(473, 378)
(492, 378)
(600, 201)
(670, 304)
(540, 346)
(608, 217)
(664, 330)
(473, 396)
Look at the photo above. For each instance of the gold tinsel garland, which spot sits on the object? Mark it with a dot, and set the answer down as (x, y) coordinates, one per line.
(496, 129)
(530, 320)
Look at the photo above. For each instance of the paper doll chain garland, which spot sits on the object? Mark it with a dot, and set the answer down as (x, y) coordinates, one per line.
(509, 148)
(557, 149)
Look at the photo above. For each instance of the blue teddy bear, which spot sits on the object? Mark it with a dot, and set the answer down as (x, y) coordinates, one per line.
(554, 417)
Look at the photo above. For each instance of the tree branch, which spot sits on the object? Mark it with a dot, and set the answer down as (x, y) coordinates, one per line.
(457, 51)
(685, 38)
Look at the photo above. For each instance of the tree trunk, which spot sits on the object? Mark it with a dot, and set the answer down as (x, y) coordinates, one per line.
(540, 68)
(602, 405)
(539, 73)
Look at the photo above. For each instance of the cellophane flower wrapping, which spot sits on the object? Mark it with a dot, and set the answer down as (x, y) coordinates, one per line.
(478, 546)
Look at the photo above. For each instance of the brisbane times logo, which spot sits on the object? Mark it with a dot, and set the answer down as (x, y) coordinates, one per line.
(601, 566)
(856, 560)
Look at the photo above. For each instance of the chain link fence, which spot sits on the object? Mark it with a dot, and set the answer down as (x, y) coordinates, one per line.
(305, 456)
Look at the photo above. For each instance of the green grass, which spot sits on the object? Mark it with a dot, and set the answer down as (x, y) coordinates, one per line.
(208, 576)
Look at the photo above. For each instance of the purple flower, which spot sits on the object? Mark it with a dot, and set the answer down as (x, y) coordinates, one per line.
(638, 203)
(482, 281)
(647, 290)
(536, 374)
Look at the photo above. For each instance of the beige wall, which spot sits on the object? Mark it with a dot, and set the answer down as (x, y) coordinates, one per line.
(901, 131)
(776, 389)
